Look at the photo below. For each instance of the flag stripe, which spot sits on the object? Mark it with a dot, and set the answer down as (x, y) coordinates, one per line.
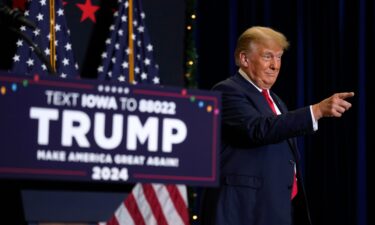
(153, 204)
(178, 202)
(166, 201)
(143, 205)
(183, 191)
(134, 212)
(112, 221)
(122, 214)
(153, 200)
(150, 204)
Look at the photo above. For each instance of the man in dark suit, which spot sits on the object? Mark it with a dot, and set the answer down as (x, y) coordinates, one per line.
(260, 181)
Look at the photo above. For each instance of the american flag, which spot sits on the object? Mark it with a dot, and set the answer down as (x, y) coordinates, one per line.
(147, 204)
(25, 61)
(151, 204)
(115, 59)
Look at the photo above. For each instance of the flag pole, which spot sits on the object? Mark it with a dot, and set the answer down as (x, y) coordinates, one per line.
(130, 40)
(52, 35)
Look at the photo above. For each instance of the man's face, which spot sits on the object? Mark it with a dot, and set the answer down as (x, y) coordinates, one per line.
(263, 64)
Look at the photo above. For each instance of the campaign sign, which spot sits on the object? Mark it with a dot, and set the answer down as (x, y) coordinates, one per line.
(82, 130)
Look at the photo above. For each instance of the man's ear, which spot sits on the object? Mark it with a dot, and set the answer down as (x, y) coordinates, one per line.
(244, 60)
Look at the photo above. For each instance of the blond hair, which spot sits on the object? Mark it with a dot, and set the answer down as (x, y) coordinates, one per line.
(258, 35)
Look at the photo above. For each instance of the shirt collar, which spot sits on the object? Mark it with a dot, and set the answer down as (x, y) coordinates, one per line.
(244, 75)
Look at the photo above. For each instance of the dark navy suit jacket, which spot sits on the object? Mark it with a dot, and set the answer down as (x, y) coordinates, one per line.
(257, 160)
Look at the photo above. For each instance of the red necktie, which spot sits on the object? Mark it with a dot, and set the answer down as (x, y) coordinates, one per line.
(272, 106)
(294, 187)
(269, 100)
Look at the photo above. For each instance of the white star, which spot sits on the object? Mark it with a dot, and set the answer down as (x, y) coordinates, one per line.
(117, 46)
(39, 17)
(126, 4)
(76, 66)
(60, 12)
(123, 18)
(110, 73)
(44, 67)
(147, 61)
(57, 27)
(63, 75)
(112, 27)
(30, 62)
(36, 32)
(144, 76)
(108, 41)
(23, 28)
(125, 65)
(135, 23)
(104, 55)
(65, 62)
(149, 47)
(26, 13)
(113, 60)
(120, 32)
(127, 51)
(141, 29)
(143, 15)
(133, 37)
(46, 51)
(156, 80)
(42, 2)
(19, 43)
(139, 43)
(136, 69)
(56, 43)
(68, 46)
(116, 13)
(100, 69)
(16, 58)
(121, 78)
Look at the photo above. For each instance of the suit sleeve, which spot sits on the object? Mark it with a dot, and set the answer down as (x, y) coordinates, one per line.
(244, 122)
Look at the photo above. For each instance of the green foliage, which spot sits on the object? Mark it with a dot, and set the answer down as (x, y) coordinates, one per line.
(191, 56)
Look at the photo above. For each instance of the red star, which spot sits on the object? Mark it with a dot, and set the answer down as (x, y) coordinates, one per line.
(88, 10)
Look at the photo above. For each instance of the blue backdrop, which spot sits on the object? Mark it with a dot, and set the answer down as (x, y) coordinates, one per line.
(331, 51)
(331, 47)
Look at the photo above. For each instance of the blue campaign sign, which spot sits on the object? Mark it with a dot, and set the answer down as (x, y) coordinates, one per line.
(83, 130)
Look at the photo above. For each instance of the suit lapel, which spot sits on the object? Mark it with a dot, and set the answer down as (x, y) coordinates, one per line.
(253, 94)
(291, 141)
(263, 105)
